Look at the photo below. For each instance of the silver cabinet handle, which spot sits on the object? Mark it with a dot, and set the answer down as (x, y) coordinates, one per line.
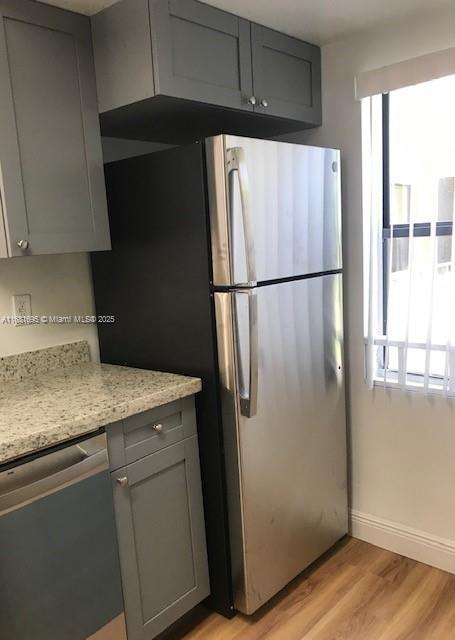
(123, 482)
(23, 244)
(264, 103)
(252, 100)
(157, 427)
(248, 397)
(236, 162)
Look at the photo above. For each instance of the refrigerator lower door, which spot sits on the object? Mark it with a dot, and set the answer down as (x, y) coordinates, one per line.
(275, 209)
(280, 356)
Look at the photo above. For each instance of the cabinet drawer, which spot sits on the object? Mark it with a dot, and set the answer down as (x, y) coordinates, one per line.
(145, 433)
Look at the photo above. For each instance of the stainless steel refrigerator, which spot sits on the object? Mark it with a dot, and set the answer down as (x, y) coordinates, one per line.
(275, 220)
(226, 264)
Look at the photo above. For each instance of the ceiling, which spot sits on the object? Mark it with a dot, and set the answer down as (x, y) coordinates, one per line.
(318, 21)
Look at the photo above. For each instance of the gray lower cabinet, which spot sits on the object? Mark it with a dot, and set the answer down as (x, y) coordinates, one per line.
(52, 189)
(287, 76)
(161, 534)
(154, 50)
(148, 432)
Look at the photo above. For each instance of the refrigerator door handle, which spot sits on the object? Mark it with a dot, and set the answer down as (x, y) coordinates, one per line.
(248, 399)
(235, 160)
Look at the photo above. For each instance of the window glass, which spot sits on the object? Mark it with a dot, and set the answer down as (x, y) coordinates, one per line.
(418, 281)
(422, 152)
(400, 203)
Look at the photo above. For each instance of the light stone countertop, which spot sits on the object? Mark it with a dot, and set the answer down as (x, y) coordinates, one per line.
(45, 408)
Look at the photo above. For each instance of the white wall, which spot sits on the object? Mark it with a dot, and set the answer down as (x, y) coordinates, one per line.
(59, 285)
(402, 445)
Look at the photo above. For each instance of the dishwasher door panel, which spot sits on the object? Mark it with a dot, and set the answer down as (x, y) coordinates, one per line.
(59, 567)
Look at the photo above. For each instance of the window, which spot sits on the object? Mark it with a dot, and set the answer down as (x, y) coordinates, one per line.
(411, 339)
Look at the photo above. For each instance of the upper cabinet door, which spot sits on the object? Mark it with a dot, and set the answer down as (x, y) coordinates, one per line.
(53, 193)
(287, 76)
(201, 53)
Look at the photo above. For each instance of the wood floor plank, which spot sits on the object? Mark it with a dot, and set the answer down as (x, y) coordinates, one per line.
(349, 615)
(441, 624)
(356, 592)
(409, 620)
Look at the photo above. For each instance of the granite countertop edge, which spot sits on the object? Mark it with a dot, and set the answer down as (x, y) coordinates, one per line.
(20, 445)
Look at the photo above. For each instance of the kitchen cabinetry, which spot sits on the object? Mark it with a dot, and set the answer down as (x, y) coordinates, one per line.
(52, 183)
(159, 514)
(172, 59)
(191, 51)
(286, 75)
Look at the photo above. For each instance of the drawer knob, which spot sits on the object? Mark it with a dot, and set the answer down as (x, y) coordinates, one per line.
(158, 428)
(264, 103)
(123, 482)
(252, 100)
(23, 244)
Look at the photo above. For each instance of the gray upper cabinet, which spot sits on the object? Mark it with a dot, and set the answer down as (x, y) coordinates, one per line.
(171, 61)
(52, 189)
(287, 76)
(177, 48)
(160, 528)
(201, 53)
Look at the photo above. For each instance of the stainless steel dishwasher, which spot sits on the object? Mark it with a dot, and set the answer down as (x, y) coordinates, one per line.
(59, 567)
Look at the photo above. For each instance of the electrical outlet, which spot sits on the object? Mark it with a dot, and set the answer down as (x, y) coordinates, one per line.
(22, 307)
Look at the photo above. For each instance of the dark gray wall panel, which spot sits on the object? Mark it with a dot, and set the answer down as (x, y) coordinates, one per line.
(119, 149)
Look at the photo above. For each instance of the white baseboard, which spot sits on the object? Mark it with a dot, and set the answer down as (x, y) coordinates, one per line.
(412, 543)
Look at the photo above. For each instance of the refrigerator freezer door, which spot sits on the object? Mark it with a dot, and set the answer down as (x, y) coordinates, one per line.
(275, 209)
(286, 458)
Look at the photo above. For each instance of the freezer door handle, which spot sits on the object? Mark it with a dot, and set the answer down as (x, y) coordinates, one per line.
(235, 160)
(248, 394)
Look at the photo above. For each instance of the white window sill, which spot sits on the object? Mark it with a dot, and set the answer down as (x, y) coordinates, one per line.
(414, 383)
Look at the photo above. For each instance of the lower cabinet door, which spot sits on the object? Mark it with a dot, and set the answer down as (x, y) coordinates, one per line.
(161, 534)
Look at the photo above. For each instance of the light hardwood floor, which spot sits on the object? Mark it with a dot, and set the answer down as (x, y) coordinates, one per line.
(357, 592)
